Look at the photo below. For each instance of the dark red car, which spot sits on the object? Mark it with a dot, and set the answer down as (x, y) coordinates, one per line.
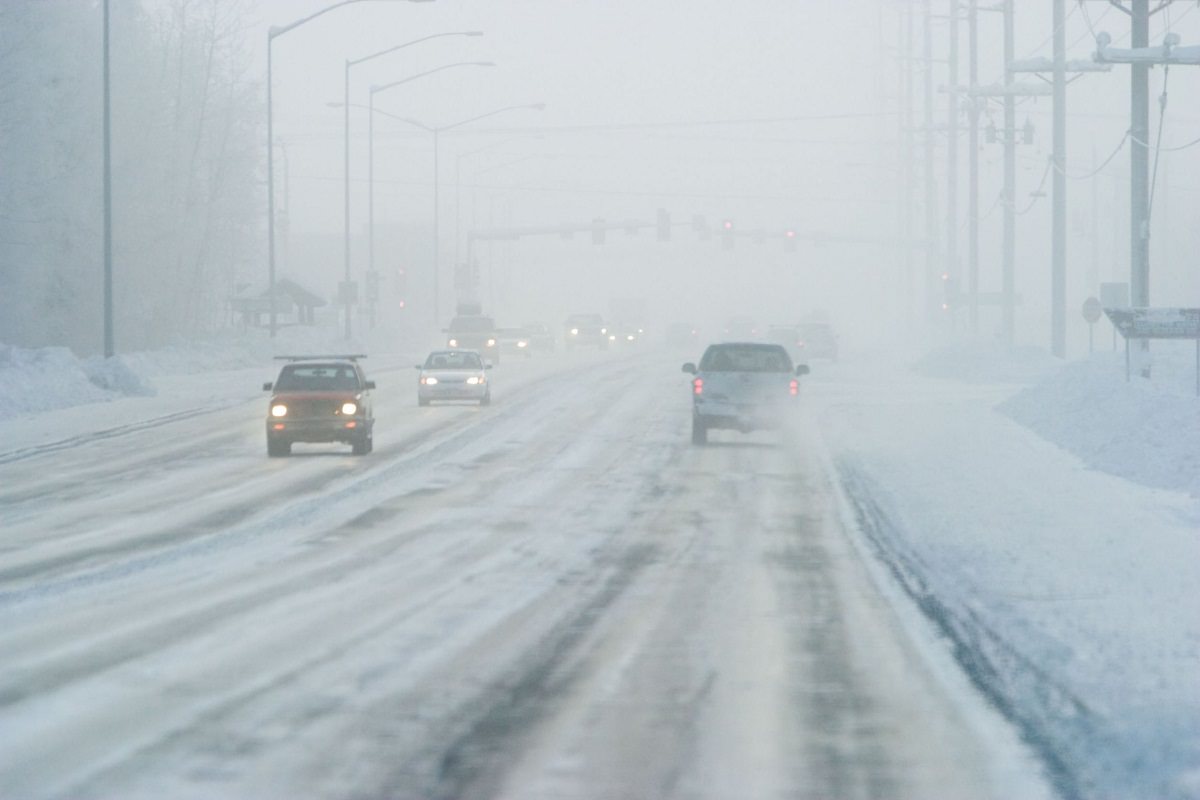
(320, 399)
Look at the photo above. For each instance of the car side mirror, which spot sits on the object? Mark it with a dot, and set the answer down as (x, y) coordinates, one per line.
(488, 365)
(689, 368)
(267, 386)
(419, 366)
(370, 384)
(802, 369)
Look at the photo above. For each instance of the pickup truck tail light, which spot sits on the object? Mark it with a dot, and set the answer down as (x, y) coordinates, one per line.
(794, 387)
(698, 386)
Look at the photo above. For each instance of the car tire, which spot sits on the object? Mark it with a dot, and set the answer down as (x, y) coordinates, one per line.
(486, 400)
(278, 448)
(699, 431)
(362, 445)
(421, 401)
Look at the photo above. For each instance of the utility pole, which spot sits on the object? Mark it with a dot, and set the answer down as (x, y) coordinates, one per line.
(109, 346)
(1058, 67)
(973, 167)
(931, 272)
(1008, 280)
(951, 272)
(1140, 58)
(1139, 171)
(907, 159)
(1058, 269)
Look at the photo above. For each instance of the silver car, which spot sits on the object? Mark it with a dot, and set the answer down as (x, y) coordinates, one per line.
(454, 375)
(743, 386)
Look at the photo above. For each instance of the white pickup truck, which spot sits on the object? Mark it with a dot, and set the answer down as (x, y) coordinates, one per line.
(742, 386)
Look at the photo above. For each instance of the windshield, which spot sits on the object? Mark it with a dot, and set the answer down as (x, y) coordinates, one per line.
(317, 378)
(746, 358)
(453, 359)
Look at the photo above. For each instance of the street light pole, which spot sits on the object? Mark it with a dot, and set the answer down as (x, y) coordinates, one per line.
(109, 347)
(346, 292)
(273, 33)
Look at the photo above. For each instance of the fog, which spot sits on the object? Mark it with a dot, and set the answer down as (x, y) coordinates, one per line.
(777, 116)
(641, 544)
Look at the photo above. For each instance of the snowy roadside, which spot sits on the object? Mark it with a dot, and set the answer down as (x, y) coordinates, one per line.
(1070, 596)
(49, 394)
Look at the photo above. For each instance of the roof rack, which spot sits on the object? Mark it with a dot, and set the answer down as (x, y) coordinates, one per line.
(336, 357)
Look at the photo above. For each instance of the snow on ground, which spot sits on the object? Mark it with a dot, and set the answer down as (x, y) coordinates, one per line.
(1070, 596)
(1145, 430)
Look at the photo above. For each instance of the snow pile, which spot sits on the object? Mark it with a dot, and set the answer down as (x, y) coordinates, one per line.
(1144, 430)
(984, 363)
(53, 377)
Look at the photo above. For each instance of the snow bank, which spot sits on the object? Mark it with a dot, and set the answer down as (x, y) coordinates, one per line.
(1147, 431)
(51, 378)
(32, 381)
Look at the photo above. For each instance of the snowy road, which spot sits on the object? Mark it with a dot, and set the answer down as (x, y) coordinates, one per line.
(555, 597)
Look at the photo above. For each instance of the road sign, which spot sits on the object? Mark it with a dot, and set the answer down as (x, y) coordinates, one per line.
(1157, 323)
(1092, 310)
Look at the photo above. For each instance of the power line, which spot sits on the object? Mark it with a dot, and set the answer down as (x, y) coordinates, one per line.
(1120, 146)
(1037, 193)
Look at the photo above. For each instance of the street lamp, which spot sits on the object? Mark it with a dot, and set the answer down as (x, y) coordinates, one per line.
(437, 131)
(273, 33)
(346, 166)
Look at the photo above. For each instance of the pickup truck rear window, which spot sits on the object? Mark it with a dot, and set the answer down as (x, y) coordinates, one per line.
(746, 358)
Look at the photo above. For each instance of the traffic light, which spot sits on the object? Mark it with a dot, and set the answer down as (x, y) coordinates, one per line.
(727, 234)
(664, 225)
(789, 241)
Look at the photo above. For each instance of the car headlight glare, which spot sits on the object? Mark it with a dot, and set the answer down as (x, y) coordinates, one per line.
(349, 409)
(604, 330)
(522, 344)
(279, 410)
(491, 343)
(474, 380)
(453, 342)
(429, 380)
(574, 331)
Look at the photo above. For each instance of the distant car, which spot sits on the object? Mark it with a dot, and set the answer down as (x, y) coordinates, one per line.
(682, 334)
(741, 329)
(587, 330)
(630, 333)
(789, 338)
(541, 338)
(819, 340)
(514, 341)
(743, 386)
(474, 332)
(320, 399)
(454, 375)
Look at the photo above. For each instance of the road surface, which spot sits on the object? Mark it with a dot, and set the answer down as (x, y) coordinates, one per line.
(554, 597)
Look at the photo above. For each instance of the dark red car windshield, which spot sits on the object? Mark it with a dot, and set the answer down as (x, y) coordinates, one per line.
(317, 378)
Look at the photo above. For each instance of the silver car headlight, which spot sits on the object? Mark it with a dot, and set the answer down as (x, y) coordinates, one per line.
(475, 380)
(453, 343)
(491, 343)
(429, 380)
